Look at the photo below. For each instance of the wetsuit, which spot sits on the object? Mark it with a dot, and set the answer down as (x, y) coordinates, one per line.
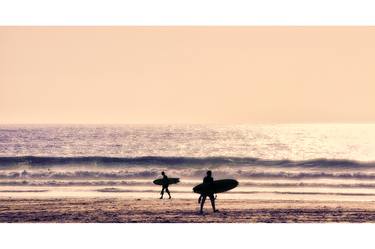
(202, 198)
(165, 187)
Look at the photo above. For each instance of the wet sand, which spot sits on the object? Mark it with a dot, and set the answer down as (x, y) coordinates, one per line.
(117, 210)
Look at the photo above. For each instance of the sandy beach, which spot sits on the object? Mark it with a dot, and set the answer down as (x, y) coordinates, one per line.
(118, 210)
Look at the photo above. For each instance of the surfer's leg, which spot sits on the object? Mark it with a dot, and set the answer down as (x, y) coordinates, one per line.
(203, 199)
(167, 190)
(162, 193)
(212, 198)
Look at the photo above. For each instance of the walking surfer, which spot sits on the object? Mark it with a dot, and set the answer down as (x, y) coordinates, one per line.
(165, 186)
(202, 198)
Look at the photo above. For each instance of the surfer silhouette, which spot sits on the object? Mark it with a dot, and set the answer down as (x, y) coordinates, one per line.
(165, 186)
(202, 198)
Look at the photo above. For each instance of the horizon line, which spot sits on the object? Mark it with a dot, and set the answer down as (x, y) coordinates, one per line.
(176, 123)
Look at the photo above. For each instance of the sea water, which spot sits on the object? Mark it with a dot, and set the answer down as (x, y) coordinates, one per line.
(281, 161)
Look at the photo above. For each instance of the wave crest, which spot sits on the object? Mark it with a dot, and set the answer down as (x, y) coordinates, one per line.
(179, 161)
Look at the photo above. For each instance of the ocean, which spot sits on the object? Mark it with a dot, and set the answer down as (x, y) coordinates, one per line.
(281, 161)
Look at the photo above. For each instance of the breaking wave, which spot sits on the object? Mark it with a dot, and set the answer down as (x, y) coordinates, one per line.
(183, 173)
(179, 161)
(68, 171)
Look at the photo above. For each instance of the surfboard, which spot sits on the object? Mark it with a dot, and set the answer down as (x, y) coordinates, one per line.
(218, 186)
(170, 181)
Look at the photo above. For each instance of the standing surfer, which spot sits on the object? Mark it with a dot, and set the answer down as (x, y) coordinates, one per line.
(202, 198)
(165, 186)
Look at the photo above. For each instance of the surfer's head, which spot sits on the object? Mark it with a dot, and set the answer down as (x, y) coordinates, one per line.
(162, 173)
(209, 173)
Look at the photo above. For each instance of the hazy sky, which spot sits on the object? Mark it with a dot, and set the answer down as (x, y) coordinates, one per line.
(187, 74)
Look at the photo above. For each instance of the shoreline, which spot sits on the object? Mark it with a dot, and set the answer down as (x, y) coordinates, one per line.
(145, 210)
